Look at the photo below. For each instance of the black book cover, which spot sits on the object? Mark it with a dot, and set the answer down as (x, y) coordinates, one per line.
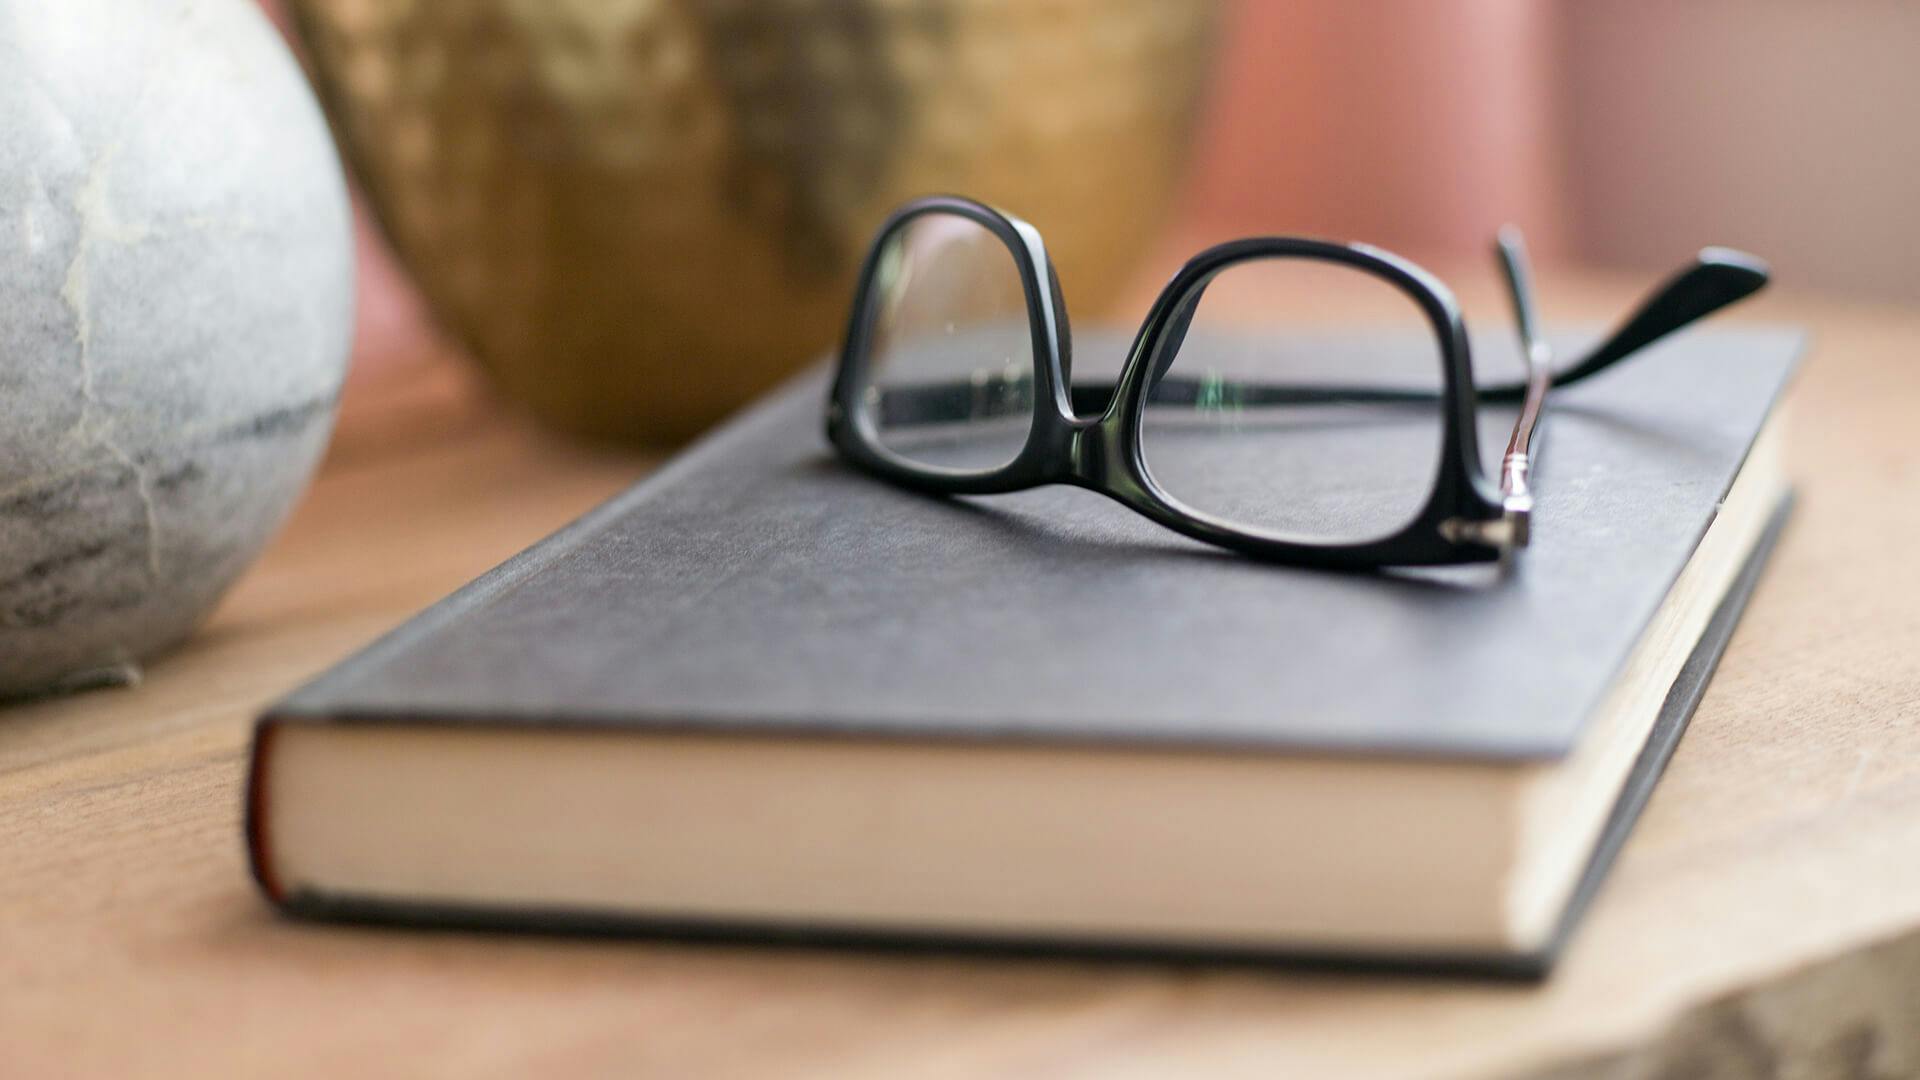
(755, 584)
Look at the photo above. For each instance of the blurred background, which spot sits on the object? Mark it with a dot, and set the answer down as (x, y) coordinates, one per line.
(499, 142)
(1619, 132)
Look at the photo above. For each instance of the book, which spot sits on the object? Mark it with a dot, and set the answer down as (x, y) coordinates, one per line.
(762, 695)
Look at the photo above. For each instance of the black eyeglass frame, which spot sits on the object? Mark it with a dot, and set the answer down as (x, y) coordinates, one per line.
(1467, 517)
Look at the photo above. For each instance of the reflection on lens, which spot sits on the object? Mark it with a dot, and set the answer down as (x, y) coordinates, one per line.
(1304, 403)
(950, 372)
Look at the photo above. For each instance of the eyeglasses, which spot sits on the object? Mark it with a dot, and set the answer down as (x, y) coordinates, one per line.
(1346, 438)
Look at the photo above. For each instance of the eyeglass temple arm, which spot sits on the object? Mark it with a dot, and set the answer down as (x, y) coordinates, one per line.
(1717, 277)
(1516, 465)
(951, 402)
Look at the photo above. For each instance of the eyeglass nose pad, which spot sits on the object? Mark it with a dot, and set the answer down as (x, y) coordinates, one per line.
(1175, 336)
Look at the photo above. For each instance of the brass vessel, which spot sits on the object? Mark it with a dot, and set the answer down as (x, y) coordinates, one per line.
(637, 213)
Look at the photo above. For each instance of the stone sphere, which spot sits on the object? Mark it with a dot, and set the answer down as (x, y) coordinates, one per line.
(175, 313)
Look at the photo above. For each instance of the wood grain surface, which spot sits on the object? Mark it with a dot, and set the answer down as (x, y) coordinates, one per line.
(1763, 921)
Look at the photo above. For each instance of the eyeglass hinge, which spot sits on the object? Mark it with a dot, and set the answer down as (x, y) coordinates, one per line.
(1508, 531)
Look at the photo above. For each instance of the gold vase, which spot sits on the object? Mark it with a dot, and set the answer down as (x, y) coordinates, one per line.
(638, 213)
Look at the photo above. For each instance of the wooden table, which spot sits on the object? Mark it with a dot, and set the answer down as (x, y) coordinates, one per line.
(1765, 917)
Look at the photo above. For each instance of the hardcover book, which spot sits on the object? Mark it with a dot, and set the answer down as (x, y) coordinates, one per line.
(762, 695)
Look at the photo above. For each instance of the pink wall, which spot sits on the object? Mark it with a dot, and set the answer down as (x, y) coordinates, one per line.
(1407, 123)
(1618, 132)
(1783, 126)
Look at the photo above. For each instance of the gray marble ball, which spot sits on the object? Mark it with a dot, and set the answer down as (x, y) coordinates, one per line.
(176, 293)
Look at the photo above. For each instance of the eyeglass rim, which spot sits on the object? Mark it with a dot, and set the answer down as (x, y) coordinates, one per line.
(1046, 318)
(1105, 453)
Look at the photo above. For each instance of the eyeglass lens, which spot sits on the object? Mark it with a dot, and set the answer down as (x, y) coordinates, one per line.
(950, 370)
(1278, 416)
